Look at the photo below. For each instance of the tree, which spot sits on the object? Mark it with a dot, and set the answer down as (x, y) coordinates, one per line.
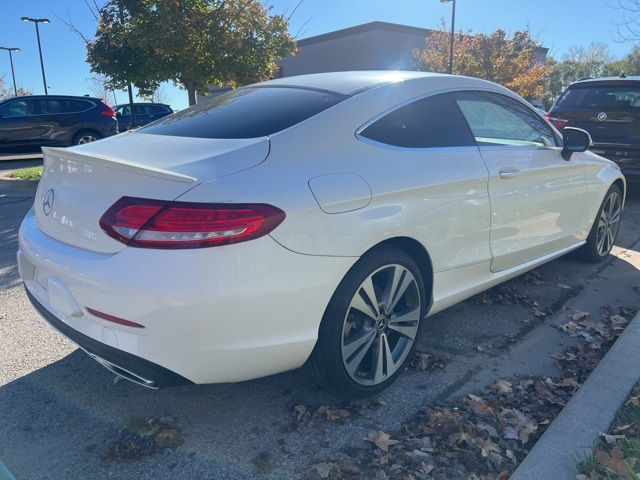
(159, 95)
(629, 65)
(99, 87)
(509, 61)
(592, 59)
(7, 92)
(628, 28)
(193, 43)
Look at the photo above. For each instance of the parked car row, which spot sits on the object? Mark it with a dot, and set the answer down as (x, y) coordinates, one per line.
(63, 120)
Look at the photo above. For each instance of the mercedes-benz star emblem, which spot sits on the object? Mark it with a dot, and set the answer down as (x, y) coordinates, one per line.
(602, 116)
(47, 204)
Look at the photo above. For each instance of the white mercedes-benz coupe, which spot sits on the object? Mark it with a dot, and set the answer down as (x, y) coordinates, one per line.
(313, 220)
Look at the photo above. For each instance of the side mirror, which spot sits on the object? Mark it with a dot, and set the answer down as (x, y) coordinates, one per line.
(574, 140)
(118, 114)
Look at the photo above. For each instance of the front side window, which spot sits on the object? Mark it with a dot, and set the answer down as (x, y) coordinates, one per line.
(18, 108)
(426, 123)
(498, 120)
(248, 112)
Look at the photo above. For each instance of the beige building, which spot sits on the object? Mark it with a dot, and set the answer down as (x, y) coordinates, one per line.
(372, 46)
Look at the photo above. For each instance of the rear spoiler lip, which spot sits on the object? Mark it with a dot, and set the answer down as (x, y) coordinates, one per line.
(115, 163)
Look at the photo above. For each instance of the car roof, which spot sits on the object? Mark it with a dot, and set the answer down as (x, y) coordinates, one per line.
(611, 80)
(348, 83)
(42, 97)
(139, 103)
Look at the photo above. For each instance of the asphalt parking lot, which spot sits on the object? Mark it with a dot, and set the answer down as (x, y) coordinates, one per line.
(62, 411)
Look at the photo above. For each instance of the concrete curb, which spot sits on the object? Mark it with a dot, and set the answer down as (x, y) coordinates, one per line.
(18, 186)
(590, 412)
(19, 156)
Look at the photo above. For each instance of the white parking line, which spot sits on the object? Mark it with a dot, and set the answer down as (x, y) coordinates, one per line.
(5, 474)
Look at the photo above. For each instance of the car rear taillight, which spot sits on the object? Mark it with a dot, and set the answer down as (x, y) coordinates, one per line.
(107, 110)
(146, 223)
(559, 123)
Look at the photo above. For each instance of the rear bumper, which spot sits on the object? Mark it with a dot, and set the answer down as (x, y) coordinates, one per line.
(214, 315)
(626, 156)
(121, 363)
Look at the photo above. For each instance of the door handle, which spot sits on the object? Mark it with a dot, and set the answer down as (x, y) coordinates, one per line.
(510, 172)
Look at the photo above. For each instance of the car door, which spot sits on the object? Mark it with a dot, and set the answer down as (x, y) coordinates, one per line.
(429, 144)
(57, 125)
(19, 124)
(536, 196)
(144, 114)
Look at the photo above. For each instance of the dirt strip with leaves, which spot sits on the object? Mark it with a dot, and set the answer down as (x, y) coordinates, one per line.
(482, 436)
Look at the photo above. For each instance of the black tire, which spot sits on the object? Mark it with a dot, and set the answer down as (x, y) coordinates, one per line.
(85, 136)
(358, 353)
(605, 228)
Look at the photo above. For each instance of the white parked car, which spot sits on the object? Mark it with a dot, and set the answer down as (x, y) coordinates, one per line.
(308, 220)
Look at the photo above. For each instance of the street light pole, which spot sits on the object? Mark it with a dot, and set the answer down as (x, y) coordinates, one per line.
(453, 23)
(13, 75)
(36, 21)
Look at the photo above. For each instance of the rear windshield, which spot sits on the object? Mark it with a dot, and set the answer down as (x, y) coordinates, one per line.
(246, 113)
(601, 96)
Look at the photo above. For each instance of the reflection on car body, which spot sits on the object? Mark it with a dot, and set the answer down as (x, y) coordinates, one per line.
(54, 120)
(144, 113)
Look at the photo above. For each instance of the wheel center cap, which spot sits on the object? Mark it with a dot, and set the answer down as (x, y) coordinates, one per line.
(381, 323)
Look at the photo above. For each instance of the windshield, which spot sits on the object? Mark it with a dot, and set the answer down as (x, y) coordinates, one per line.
(601, 96)
(246, 113)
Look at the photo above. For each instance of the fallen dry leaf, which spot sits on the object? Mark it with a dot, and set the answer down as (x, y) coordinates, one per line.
(611, 439)
(301, 413)
(615, 461)
(578, 315)
(381, 439)
(502, 386)
(333, 415)
(571, 328)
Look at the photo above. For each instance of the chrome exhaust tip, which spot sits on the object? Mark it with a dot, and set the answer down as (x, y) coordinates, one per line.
(124, 373)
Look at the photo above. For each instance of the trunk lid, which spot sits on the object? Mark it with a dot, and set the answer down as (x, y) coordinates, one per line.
(606, 126)
(79, 184)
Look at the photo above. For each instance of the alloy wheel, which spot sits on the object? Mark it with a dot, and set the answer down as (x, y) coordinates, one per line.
(381, 324)
(608, 223)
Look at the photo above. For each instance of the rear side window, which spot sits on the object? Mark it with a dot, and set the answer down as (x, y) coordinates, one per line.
(62, 105)
(426, 123)
(246, 113)
(600, 97)
(159, 109)
(73, 106)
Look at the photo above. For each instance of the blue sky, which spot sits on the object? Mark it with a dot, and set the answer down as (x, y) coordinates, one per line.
(557, 24)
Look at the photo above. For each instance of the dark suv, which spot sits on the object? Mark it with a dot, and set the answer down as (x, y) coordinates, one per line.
(144, 113)
(609, 109)
(54, 120)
